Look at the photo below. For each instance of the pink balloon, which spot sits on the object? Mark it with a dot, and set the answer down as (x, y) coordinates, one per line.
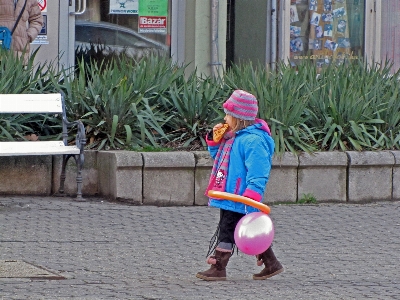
(254, 233)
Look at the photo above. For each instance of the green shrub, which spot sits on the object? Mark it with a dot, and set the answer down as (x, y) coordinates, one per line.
(118, 100)
(193, 110)
(151, 104)
(350, 107)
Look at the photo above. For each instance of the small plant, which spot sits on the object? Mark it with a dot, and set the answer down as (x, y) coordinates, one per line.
(307, 199)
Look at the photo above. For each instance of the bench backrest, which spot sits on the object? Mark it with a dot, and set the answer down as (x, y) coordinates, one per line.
(31, 103)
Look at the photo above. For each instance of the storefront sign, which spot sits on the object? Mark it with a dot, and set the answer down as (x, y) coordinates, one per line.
(153, 16)
(127, 7)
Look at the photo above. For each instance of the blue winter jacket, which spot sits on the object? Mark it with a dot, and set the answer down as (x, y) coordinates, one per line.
(249, 166)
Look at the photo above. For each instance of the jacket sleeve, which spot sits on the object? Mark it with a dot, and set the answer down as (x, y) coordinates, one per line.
(258, 164)
(35, 20)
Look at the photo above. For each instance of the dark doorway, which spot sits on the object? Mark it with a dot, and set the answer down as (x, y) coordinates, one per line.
(246, 32)
(230, 34)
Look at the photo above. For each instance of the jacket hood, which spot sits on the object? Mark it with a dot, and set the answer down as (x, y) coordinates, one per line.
(259, 124)
(264, 125)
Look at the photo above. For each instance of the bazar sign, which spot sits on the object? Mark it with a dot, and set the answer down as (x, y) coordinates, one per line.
(152, 22)
(153, 16)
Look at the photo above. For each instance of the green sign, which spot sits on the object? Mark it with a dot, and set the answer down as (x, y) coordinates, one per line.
(153, 8)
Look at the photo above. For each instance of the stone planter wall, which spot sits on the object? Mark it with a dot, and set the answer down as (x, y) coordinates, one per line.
(370, 175)
(323, 175)
(120, 175)
(26, 175)
(180, 178)
(168, 178)
(282, 183)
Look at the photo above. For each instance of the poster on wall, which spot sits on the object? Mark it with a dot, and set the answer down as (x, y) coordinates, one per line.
(41, 39)
(153, 16)
(126, 7)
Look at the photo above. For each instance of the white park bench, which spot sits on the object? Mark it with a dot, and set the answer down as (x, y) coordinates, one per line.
(45, 104)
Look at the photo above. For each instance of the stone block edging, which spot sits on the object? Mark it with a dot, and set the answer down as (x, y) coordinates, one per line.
(180, 178)
(323, 175)
(370, 175)
(396, 176)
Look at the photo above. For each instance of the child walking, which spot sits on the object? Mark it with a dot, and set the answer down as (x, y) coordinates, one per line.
(242, 164)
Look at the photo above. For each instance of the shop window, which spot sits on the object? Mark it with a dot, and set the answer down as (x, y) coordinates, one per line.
(115, 27)
(326, 31)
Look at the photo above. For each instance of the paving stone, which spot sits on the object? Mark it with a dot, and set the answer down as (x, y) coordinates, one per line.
(112, 250)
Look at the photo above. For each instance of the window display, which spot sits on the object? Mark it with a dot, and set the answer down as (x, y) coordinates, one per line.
(326, 31)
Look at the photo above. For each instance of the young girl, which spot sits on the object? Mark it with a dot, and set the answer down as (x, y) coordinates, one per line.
(242, 163)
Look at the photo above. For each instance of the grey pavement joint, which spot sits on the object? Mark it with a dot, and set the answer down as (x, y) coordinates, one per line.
(109, 250)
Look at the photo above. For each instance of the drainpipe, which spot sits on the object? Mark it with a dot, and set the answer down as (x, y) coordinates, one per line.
(214, 64)
(274, 26)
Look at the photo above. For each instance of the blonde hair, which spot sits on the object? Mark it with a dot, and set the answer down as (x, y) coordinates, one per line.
(239, 124)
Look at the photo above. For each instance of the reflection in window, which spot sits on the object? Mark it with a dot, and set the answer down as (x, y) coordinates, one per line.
(326, 30)
(102, 27)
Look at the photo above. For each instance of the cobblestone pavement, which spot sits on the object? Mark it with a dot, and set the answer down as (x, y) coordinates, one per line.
(118, 251)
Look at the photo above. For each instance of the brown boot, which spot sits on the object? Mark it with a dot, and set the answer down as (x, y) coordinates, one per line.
(272, 265)
(218, 263)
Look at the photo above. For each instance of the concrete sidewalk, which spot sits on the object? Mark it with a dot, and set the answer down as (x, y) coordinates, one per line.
(109, 250)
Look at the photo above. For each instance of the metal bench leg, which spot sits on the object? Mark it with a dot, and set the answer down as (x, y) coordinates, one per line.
(79, 164)
(79, 159)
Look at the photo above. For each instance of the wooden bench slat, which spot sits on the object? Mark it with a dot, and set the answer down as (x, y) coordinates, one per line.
(36, 148)
(30, 103)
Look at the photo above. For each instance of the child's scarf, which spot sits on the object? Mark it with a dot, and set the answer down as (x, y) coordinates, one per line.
(219, 171)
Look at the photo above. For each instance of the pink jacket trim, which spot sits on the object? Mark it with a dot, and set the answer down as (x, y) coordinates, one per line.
(211, 143)
(252, 195)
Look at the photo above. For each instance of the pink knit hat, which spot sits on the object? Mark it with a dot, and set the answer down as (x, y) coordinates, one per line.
(241, 105)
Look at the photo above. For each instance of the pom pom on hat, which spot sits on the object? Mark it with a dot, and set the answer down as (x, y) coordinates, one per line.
(241, 105)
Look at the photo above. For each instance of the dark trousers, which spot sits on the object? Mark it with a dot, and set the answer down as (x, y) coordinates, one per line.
(227, 225)
(224, 236)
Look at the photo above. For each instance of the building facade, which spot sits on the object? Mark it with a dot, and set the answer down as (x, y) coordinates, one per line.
(211, 35)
